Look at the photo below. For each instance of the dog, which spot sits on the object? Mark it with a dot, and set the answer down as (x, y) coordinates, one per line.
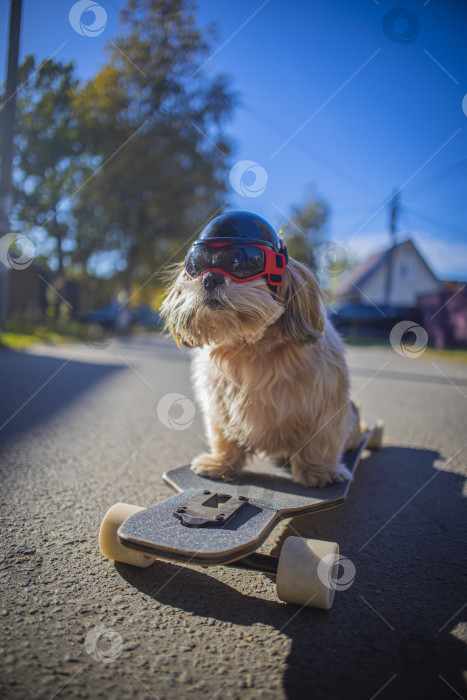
(269, 370)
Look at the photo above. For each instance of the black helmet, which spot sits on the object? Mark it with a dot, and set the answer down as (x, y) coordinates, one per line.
(235, 226)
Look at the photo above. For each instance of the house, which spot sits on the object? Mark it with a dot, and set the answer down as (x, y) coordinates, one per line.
(31, 290)
(27, 290)
(444, 316)
(398, 276)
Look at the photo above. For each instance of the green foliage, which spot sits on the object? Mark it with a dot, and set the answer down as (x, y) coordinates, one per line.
(47, 163)
(304, 233)
(21, 334)
(114, 176)
(156, 122)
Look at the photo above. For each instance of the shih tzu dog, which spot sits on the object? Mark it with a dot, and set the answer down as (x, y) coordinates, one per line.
(270, 371)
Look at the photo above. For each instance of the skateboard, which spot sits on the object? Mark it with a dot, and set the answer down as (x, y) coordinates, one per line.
(210, 522)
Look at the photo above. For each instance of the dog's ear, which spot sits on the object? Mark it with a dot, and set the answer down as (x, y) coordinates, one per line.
(176, 317)
(303, 319)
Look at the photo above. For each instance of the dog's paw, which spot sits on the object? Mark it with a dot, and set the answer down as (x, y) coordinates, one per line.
(312, 476)
(213, 467)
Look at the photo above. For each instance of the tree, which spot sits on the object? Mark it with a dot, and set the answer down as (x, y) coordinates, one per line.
(305, 231)
(48, 155)
(306, 239)
(155, 120)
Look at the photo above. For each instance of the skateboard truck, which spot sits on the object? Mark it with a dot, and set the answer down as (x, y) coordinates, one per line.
(209, 508)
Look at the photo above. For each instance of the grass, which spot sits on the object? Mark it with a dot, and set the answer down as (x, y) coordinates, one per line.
(451, 354)
(20, 335)
(365, 342)
(454, 354)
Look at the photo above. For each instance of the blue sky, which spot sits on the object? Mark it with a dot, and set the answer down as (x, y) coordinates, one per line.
(331, 104)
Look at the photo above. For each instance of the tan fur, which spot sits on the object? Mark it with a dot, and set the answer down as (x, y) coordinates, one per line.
(269, 373)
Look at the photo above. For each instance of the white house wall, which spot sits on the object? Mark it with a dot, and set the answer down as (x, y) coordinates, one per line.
(410, 279)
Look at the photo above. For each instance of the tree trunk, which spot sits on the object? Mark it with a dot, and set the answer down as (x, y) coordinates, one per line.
(57, 233)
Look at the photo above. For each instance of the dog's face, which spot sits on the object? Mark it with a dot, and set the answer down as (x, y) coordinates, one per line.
(214, 309)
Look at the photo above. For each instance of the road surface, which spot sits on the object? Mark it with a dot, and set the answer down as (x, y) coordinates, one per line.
(83, 427)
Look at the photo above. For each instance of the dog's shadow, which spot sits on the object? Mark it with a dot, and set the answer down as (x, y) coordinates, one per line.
(394, 622)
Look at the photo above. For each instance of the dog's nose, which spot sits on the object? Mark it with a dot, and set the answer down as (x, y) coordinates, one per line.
(211, 280)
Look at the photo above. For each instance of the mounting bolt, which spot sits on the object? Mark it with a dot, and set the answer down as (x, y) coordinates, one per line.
(242, 498)
(206, 493)
(219, 517)
(181, 510)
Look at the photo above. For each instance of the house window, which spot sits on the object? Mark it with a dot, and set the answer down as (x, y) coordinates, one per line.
(405, 269)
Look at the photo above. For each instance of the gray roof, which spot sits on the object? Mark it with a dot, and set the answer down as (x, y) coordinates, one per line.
(361, 273)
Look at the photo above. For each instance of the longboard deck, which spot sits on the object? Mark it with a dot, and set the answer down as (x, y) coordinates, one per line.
(272, 496)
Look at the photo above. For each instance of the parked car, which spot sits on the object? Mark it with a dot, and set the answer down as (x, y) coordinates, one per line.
(114, 317)
(370, 321)
(143, 315)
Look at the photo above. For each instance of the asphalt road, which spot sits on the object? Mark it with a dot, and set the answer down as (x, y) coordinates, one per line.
(80, 429)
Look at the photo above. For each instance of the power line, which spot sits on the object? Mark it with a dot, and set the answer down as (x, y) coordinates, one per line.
(304, 149)
(451, 171)
(433, 220)
(439, 177)
(348, 210)
(365, 220)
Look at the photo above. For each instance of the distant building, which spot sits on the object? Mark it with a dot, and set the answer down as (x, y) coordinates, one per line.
(410, 278)
(400, 277)
(444, 316)
(32, 290)
(27, 293)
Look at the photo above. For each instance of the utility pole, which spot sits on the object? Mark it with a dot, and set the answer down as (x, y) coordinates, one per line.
(6, 152)
(393, 214)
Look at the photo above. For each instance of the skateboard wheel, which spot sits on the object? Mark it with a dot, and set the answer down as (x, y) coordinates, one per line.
(306, 571)
(108, 540)
(376, 438)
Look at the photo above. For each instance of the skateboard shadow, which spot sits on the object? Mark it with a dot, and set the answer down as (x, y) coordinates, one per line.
(396, 624)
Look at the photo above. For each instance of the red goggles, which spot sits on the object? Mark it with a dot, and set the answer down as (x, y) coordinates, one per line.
(239, 261)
